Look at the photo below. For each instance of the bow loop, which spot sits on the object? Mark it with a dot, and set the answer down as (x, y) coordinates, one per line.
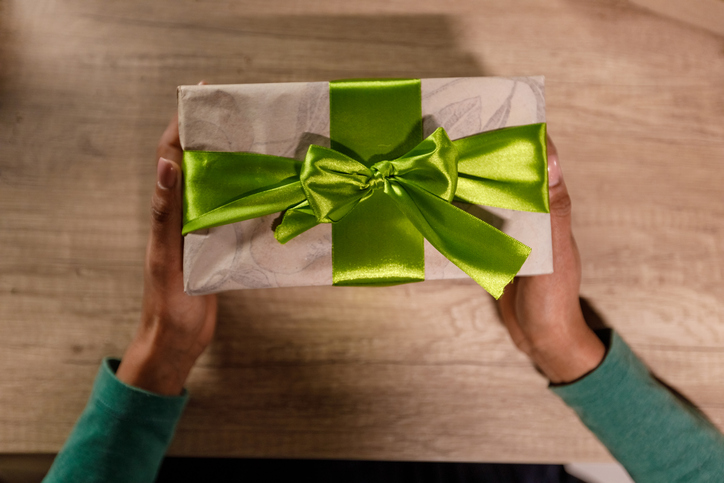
(333, 182)
(432, 165)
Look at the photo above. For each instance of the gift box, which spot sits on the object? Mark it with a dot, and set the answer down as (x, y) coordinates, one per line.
(290, 121)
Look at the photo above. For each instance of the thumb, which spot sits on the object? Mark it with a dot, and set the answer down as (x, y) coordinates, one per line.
(560, 201)
(164, 253)
(566, 260)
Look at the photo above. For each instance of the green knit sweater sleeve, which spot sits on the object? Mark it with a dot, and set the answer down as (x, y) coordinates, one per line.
(653, 434)
(121, 436)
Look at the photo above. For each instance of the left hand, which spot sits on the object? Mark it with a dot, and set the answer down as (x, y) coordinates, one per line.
(175, 327)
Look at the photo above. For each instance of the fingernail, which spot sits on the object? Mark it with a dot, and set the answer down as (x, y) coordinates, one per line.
(166, 174)
(202, 83)
(554, 170)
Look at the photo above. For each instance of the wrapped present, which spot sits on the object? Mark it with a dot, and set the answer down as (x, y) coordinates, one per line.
(364, 182)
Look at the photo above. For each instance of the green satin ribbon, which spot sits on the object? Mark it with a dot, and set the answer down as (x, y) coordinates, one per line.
(371, 121)
(504, 168)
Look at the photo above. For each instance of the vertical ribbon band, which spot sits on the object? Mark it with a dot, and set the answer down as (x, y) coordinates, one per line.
(370, 121)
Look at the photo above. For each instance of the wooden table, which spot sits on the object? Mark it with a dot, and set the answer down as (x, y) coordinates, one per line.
(635, 102)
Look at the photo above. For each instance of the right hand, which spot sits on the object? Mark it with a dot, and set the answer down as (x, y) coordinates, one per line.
(542, 313)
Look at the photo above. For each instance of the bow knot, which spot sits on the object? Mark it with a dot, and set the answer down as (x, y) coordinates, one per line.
(381, 172)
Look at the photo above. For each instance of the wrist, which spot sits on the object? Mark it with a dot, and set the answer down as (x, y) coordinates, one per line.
(153, 367)
(569, 354)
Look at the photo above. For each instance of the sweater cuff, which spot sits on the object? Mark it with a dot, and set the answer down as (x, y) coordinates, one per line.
(131, 403)
(618, 364)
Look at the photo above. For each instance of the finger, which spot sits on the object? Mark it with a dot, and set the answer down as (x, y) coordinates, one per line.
(560, 201)
(169, 146)
(506, 303)
(212, 308)
(164, 253)
(507, 307)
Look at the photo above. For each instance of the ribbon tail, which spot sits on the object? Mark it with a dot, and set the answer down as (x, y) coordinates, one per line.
(296, 221)
(260, 203)
(487, 255)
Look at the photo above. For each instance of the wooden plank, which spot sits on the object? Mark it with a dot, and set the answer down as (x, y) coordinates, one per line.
(705, 14)
(418, 372)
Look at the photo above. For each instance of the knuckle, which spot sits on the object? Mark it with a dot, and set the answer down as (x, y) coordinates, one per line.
(561, 205)
(160, 210)
(157, 267)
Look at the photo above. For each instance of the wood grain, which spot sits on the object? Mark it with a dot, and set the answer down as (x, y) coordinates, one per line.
(635, 102)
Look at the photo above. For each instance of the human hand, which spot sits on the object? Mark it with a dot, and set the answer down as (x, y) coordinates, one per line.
(542, 313)
(175, 327)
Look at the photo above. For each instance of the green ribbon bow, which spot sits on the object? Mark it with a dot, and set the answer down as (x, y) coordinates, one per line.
(504, 168)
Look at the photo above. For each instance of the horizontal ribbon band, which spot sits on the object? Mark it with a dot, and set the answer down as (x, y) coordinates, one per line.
(504, 168)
